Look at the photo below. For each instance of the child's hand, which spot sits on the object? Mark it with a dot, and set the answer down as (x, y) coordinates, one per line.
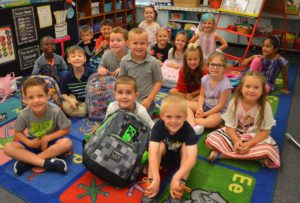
(199, 113)
(285, 91)
(237, 144)
(244, 148)
(160, 62)
(116, 72)
(102, 71)
(103, 44)
(189, 96)
(34, 143)
(73, 103)
(44, 143)
(152, 189)
(175, 189)
(146, 103)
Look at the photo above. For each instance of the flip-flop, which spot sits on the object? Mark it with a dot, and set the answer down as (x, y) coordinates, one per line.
(214, 155)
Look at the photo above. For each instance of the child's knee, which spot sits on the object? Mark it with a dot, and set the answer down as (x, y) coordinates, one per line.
(65, 143)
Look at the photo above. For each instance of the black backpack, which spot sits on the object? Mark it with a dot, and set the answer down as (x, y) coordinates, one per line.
(117, 151)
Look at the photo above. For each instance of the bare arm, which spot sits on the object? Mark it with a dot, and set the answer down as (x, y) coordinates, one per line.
(284, 72)
(155, 90)
(194, 38)
(55, 135)
(223, 99)
(223, 42)
(246, 62)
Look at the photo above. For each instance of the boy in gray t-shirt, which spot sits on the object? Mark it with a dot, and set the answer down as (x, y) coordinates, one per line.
(46, 124)
(110, 62)
(143, 67)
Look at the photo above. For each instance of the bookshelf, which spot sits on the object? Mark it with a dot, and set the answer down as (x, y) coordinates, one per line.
(250, 9)
(93, 12)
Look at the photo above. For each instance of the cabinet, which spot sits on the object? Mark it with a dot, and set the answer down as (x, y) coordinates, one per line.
(93, 12)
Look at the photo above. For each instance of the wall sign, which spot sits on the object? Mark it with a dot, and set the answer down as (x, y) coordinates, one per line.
(7, 51)
(28, 56)
(25, 25)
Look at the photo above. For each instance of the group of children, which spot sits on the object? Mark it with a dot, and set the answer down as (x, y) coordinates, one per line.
(200, 100)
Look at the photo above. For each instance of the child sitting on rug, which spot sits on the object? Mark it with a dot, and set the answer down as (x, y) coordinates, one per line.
(49, 63)
(47, 125)
(143, 67)
(214, 94)
(87, 41)
(172, 142)
(73, 91)
(110, 62)
(189, 79)
(248, 122)
(270, 63)
(102, 42)
(126, 95)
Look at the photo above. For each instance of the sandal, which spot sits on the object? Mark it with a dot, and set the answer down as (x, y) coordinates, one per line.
(214, 155)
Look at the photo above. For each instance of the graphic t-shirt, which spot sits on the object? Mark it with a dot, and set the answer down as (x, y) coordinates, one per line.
(53, 120)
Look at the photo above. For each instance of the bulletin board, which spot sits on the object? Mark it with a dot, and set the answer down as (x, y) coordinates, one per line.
(22, 27)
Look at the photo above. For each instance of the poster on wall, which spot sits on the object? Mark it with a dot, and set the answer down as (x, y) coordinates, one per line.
(7, 51)
(25, 25)
(45, 17)
(28, 56)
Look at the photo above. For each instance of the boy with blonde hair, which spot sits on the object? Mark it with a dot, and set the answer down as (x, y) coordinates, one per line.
(143, 67)
(110, 62)
(126, 95)
(73, 91)
(172, 142)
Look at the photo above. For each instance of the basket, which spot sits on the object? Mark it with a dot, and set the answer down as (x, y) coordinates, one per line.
(107, 7)
(119, 21)
(187, 3)
(119, 5)
(129, 18)
(243, 29)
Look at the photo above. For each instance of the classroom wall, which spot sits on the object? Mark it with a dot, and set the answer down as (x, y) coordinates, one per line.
(26, 51)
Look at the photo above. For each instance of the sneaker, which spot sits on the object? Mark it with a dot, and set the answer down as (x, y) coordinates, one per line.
(198, 129)
(55, 164)
(21, 167)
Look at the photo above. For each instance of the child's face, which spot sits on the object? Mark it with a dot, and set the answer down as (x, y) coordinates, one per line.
(180, 41)
(208, 26)
(162, 37)
(252, 89)
(117, 42)
(36, 98)
(138, 44)
(268, 49)
(173, 117)
(125, 95)
(76, 59)
(193, 59)
(106, 31)
(86, 37)
(149, 14)
(48, 46)
(216, 67)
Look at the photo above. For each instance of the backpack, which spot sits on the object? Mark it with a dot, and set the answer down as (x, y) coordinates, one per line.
(8, 86)
(54, 91)
(99, 94)
(116, 152)
(170, 75)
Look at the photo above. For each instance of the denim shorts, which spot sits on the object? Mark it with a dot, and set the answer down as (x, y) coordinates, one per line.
(37, 150)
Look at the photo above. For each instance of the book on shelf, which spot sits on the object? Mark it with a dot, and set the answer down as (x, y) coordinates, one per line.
(245, 7)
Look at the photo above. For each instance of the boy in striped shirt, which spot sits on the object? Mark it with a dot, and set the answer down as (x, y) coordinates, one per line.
(73, 91)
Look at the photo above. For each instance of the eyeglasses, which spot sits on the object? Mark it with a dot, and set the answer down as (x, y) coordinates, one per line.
(217, 65)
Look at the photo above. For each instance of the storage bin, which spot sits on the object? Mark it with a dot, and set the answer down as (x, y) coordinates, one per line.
(177, 16)
(187, 3)
(215, 3)
(107, 7)
(119, 5)
(95, 8)
(119, 21)
(129, 4)
(129, 18)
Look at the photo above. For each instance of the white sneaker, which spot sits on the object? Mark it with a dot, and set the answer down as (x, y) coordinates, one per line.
(198, 129)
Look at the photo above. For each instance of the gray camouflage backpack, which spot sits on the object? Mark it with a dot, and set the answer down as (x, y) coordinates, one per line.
(117, 151)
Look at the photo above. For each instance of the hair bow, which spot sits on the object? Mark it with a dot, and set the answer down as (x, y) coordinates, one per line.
(193, 45)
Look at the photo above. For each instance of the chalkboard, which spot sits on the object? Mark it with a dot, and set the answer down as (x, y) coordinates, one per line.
(26, 47)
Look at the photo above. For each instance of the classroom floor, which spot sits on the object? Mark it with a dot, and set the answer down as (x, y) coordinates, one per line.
(287, 189)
